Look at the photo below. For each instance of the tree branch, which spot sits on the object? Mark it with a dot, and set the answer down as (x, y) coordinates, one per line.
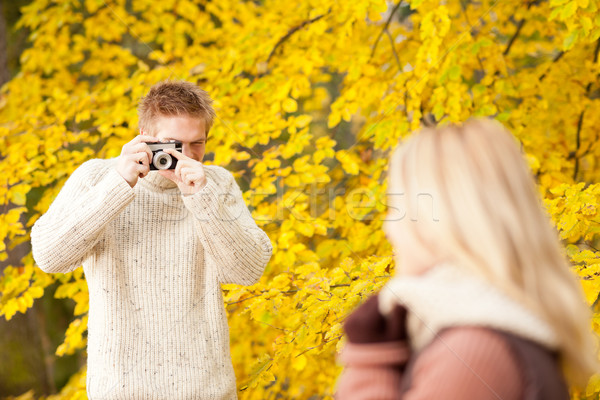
(590, 246)
(291, 32)
(596, 51)
(472, 30)
(519, 27)
(578, 143)
(385, 27)
(284, 292)
(580, 121)
(514, 37)
(558, 57)
(4, 73)
(394, 50)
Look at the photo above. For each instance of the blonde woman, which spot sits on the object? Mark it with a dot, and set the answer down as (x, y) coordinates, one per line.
(484, 305)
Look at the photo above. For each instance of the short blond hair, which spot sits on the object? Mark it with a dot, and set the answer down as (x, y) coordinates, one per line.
(174, 98)
(491, 222)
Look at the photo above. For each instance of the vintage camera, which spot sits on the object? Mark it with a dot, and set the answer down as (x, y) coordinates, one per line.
(160, 159)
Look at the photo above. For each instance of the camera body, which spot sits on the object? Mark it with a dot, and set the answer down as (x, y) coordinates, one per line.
(160, 159)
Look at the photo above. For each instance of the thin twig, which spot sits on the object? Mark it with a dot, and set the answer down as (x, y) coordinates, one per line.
(514, 37)
(596, 51)
(558, 57)
(324, 341)
(394, 49)
(590, 246)
(283, 292)
(519, 27)
(578, 143)
(385, 27)
(247, 298)
(472, 30)
(580, 121)
(292, 31)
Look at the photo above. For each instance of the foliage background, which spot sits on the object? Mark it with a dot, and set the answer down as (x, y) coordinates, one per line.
(311, 96)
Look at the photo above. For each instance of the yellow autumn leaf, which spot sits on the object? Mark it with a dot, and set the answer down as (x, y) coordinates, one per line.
(289, 105)
(358, 90)
(36, 292)
(591, 289)
(348, 161)
(10, 309)
(18, 193)
(299, 362)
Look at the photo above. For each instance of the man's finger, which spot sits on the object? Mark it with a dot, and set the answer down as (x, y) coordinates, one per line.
(140, 148)
(145, 158)
(177, 170)
(178, 155)
(188, 164)
(144, 138)
(194, 178)
(142, 169)
(169, 174)
(185, 170)
(149, 153)
(139, 157)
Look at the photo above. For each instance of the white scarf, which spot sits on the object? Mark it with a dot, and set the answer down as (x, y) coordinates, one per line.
(447, 296)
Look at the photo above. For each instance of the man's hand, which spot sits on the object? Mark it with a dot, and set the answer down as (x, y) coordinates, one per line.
(188, 174)
(134, 161)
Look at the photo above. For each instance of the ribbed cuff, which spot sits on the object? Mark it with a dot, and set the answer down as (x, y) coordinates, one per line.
(205, 204)
(371, 371)
(369, 384)
(115, 187)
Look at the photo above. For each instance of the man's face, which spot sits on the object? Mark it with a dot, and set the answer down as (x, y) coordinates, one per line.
(191, 132)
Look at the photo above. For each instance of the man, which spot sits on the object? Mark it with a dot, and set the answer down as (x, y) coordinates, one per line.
(155, 247)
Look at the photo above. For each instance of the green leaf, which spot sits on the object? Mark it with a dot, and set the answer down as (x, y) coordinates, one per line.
(568, 10)
(570, 40)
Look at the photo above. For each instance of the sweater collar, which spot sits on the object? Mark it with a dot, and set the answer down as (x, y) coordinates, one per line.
(447, 296)
(156, 181)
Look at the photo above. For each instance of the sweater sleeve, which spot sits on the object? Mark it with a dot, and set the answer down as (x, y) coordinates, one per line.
(63, 237)
(376, 353)
(372, 371)
(460, 363)
(239, 248)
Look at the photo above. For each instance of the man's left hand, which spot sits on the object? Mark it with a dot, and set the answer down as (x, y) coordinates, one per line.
(188, 174)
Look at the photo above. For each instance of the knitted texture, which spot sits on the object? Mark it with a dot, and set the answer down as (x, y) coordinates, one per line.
(447, 296)
(367, 325)
(461, 363)
(466, 340)
(372, 370)
(154, 261)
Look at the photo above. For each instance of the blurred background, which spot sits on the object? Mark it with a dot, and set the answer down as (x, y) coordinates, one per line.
(27, 342)
(311, 96)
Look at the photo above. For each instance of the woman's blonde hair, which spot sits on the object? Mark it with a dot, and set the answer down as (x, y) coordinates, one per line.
(488, 218)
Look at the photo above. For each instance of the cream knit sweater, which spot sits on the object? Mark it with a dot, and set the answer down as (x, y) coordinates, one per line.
(154, 261)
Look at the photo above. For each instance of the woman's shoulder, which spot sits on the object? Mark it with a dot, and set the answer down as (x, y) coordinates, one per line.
(467, 362)
(479, 346)
(484, 363)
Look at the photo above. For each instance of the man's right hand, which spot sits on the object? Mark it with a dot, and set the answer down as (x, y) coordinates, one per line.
(134, 161)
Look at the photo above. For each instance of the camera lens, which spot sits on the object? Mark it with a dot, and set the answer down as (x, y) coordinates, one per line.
(162, 160)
